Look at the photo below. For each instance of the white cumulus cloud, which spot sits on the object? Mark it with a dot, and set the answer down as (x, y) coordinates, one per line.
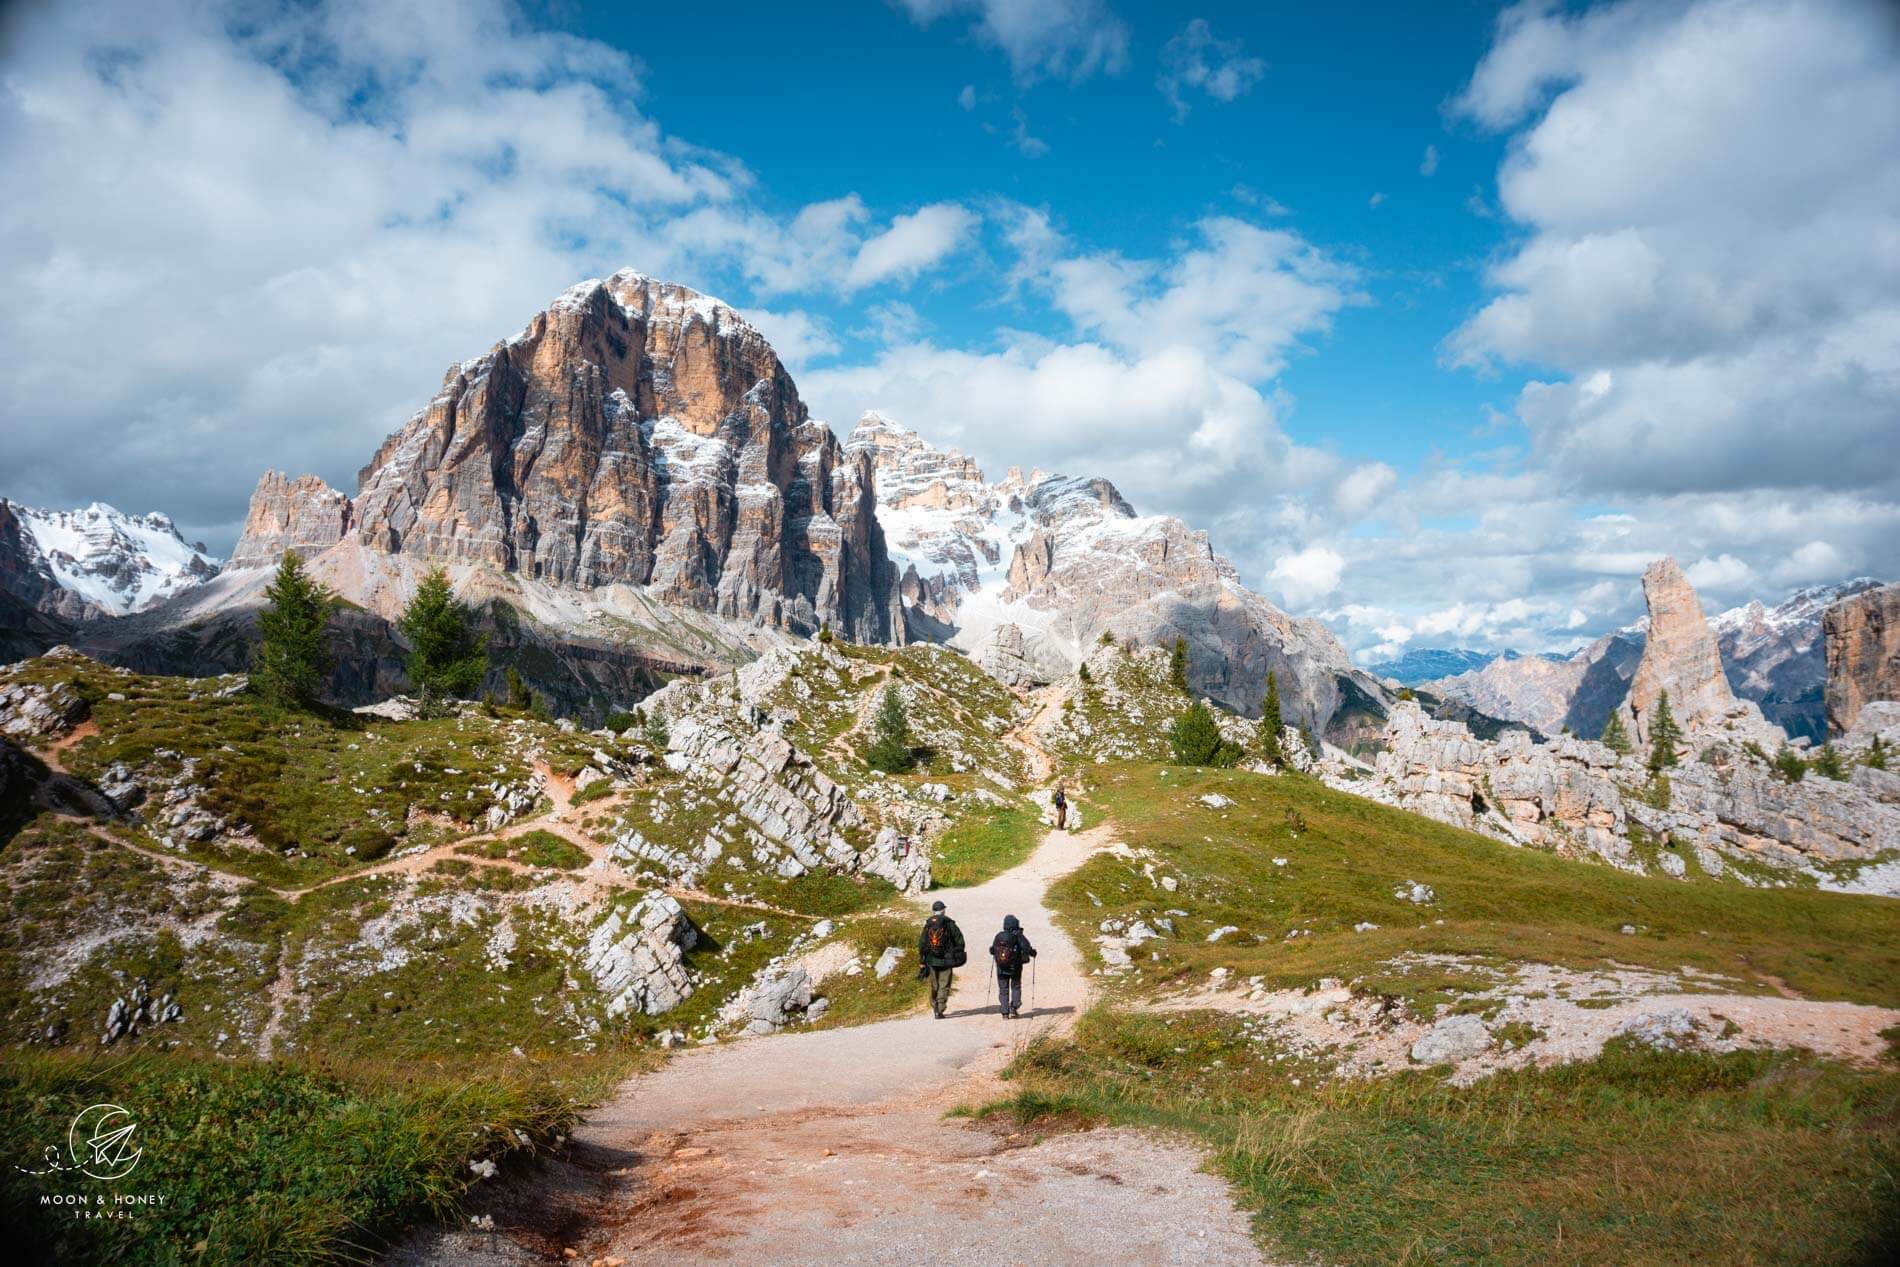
(1307, 576)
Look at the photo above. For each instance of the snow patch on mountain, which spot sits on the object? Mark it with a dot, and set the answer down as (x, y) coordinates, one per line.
(112, 563)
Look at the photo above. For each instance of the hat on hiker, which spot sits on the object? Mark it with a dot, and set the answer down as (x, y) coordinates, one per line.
(937, 905)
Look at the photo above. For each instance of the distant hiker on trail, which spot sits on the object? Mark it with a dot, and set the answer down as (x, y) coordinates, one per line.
(940, 946)
(1011, 950)
(1062, 809)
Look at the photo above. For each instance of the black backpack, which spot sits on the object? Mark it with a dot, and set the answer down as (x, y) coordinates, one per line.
(936, 935)
(1008, 953)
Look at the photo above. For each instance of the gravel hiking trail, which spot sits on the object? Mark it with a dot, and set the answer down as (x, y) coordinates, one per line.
(831, 1147)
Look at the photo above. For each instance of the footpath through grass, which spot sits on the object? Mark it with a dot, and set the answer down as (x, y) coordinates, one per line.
(268, 1163)
(1639, 1156)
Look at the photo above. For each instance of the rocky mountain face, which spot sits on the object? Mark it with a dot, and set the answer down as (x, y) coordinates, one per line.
(1773, 656)
(95, 563)
(305, 515)
(1681, 659)
(628, 487)
(1777, 655)
(639, 433)
(1863, 654)
(1032, 570)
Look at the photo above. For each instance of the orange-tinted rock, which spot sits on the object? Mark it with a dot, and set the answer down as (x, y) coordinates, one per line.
(1863, 654)
(640, 433)
(304, 514)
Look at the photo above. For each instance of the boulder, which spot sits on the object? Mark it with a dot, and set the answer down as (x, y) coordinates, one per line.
(1451, 1040)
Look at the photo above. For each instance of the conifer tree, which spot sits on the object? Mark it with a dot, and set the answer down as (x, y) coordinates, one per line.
(446, 656)
(1664, 735)
(1615, 736)
(1178, 665)
(1196, 738)
(1828, 763)
(1271, 723)
(1876, 758)
(292, 662)
(890, 735)
(519, 696)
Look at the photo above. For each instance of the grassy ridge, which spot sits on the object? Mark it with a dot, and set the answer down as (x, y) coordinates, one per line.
(271, 1163)
(1345, 856)
(1638, 1156)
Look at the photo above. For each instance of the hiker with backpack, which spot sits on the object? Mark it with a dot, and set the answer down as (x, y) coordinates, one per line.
(1011, 950)
(940, 946)
(1062, 809)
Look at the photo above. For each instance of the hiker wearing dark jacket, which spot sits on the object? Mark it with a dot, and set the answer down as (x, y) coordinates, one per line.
(940, 946)
(1010, 950)
(1062, 809)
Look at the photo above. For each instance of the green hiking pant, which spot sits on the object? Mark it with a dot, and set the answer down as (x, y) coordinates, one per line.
(940, 989)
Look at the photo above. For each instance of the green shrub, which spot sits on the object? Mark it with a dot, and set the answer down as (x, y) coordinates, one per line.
(890, 735)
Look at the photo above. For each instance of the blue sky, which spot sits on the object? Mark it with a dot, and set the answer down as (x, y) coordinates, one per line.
(1442, 319)
(1342, 111)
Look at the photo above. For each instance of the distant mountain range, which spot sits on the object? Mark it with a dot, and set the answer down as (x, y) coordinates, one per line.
(1428, 664)
(629, 486)
(96, 562)
(1771, 655)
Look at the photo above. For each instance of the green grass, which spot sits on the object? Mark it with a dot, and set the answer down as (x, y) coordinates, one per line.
(857, 1000)
(1636, 1157)
(537, 848)
(985, 842)
(320, 792)
(270, 1163)
(1496, 902)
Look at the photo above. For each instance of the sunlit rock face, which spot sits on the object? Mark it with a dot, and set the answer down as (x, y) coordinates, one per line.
(639, 433)
(1863, 654)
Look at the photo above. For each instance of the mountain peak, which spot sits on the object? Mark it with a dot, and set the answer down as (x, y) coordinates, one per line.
(96, 561)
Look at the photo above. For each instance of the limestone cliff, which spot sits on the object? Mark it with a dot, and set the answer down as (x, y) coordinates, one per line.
(1681, 658)
(1863, 654)
(304, 514)
(639, 433)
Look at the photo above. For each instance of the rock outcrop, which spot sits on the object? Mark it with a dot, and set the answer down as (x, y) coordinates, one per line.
(638, 957)
(1578, 797)
(640, 433)
(778, 813)
(305, 515)
(1863, 654)
(1681, 659)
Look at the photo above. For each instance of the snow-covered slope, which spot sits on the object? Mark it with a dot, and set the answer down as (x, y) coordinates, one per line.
(1064, 560)
(85, 564)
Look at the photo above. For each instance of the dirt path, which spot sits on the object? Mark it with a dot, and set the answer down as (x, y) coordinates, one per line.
(1038, 766)
(830, 1146)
